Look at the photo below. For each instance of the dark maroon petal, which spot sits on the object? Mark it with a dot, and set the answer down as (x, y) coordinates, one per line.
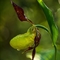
(37, 38)
(19, 11)
(33, 53)
(36, 42)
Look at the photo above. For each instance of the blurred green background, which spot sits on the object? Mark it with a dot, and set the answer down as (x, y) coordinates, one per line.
(10, 26)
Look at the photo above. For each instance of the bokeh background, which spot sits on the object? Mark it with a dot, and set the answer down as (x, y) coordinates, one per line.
(11, 26)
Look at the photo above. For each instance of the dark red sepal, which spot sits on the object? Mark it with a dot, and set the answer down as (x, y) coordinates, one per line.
(33, 53)
(20, 12)
(36, 42)
(37, 38)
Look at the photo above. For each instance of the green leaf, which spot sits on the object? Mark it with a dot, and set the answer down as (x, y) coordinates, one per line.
(52, 25)
(50, 20)
(25, 40)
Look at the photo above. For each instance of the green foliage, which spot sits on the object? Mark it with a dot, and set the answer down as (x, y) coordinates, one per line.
(52, 25)
(50, 20)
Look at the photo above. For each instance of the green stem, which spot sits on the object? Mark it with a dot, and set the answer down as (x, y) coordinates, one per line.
(43, 27)
(55, 52)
